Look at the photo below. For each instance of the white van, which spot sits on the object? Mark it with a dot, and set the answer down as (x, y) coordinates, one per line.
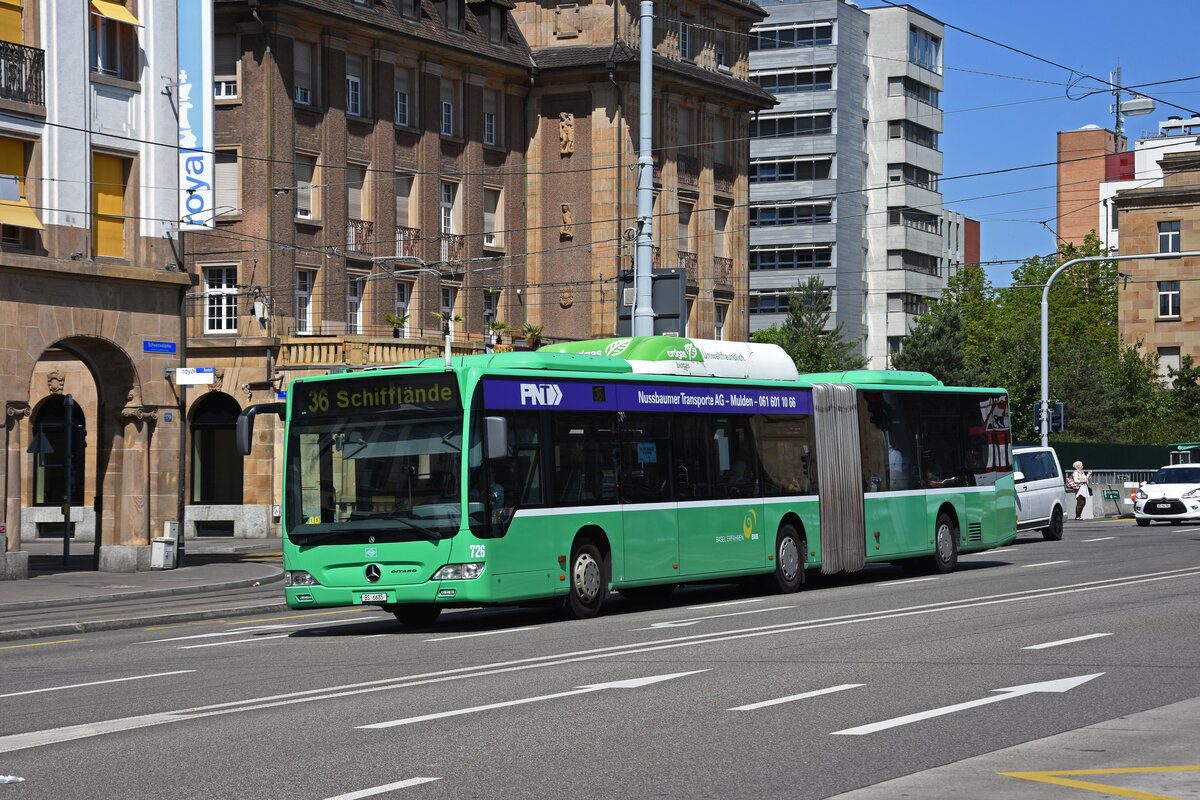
(1041, 491)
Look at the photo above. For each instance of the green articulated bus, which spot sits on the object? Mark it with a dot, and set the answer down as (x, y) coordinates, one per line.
(630, 465)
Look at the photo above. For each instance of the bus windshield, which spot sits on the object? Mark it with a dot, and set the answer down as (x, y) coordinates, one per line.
(363, 466)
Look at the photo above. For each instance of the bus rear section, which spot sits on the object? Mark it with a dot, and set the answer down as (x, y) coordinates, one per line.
(913, 474)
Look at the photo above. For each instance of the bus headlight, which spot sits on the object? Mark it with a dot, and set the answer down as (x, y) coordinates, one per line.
(298, 577)
(459, 572)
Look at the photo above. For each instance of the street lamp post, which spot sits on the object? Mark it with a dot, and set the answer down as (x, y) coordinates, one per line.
(1044, 405)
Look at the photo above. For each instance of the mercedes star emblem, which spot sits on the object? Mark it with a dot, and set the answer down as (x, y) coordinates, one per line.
(373, 572)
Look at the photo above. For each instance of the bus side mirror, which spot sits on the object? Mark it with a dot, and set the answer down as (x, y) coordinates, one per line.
(495, 437)
(245, 423)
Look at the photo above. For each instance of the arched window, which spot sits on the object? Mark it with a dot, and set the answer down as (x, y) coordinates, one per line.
(50, 445)
(216, 465)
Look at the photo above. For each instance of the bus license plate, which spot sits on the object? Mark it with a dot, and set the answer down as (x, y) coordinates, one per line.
(375, 597)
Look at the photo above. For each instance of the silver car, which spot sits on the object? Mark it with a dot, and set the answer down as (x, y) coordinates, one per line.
(1040, 491)
(1171, 495)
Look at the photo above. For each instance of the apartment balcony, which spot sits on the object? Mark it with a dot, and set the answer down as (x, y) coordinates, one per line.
(22, 74)
(690, 264)
(408, 242)
(359, 236)
(723, 271)
(688, 170)
(452, 249)
(724, 176)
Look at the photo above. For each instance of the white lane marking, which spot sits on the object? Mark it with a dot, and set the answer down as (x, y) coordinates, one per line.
(987, 552)
(632, 683)
(24, 741)
(1045, 645)
(683, 623)
(1101, 539)
(235, 641)
(97, 683)
(1059, 686)
(481, 633)
(1186, 530)
(361, 793)
(726, 603)
(1044, 564)
(779, 701)
(255, 628)
(906, 580)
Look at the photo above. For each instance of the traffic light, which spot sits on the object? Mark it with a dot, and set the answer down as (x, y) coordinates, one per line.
(1037, 419)
(1058, 417)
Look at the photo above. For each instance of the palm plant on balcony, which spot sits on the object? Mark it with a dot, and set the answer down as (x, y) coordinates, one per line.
(445, 318)
(532, 334)
(496, 328)
(397, 323)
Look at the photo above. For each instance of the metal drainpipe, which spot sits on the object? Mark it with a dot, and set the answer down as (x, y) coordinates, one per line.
(533, 73)
(620, 170)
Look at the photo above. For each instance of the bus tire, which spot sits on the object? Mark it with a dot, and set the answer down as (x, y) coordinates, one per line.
(586, 594)
(1054, 532)
(416, 615)
(945, 544)
(789, 561)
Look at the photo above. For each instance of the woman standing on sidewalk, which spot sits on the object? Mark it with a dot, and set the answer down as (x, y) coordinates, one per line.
(1079, 482)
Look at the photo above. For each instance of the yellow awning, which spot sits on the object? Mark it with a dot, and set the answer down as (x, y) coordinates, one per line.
(19, 214)
(114, 11)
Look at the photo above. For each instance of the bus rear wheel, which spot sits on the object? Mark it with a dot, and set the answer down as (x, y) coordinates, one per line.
(789, 561)
(415, 615)
(586, 594)
(945, 542)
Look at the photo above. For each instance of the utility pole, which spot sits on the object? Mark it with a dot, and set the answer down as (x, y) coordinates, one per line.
(643, 308)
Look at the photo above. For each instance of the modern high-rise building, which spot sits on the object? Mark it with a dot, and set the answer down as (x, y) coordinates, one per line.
(844, 171)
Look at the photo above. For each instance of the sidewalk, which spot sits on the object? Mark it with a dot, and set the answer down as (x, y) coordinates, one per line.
(243, 576)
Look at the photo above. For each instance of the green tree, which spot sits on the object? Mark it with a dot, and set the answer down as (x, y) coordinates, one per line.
(937, 345)
(803, 335)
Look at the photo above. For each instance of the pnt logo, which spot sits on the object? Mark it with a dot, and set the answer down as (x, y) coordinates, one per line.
(541, 394)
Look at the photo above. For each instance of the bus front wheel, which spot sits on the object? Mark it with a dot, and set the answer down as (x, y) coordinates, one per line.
(587, 581)
(415, 615)
(789, 561)
(945, 542)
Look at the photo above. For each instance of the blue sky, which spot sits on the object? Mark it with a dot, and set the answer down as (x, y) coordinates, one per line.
(1003, 109)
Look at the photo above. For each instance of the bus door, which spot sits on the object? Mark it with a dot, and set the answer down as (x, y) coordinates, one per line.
(648, 509)
(718, 488)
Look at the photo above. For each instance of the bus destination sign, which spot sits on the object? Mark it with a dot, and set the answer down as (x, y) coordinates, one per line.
(353, 396)
(582, 396)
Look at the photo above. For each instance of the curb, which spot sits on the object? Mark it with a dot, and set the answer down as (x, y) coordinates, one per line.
(144, 593)
(92, 626)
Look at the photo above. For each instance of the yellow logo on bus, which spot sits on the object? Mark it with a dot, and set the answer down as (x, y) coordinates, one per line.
(748, 522)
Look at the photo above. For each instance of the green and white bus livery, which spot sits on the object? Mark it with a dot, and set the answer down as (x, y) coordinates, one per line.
(632, 465)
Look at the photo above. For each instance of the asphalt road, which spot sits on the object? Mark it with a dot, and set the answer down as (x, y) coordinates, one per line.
(720, 692)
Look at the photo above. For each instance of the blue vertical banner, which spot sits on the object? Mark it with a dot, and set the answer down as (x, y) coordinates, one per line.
(196, 160)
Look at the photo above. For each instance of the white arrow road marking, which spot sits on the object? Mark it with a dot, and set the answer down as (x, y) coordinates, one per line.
(1044, 645)
(361, 793)
(805, 696)
(1061, 685)
(97, 683)
(633, 683)
(683, 623)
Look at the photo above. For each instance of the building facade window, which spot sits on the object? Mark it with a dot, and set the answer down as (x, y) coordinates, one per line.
(404, 99)
(794, 214)
(804, 80)
(913, 261)
(491, 305)
(1169, 239)
(819, 124)
(302, 73)
(227, 184)
(220, 299)
(684, 29)
(112, 41)
(307, 191)
(306, 280)
(109, 176)
(720, 312)
(907, 303)
(491, 108)
(449, 201)
(782, 37)
(355, 100)
(797, 169)
(225, 67)
(1168, 298)
(449, 296)
(917, 176)
(1170, 360)
(403, 299)
(769, 258)
(911, 87)
(356, 286)
(925, 50)
(913, 218)
(491, 218)
(448, 122)
(912, 132)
